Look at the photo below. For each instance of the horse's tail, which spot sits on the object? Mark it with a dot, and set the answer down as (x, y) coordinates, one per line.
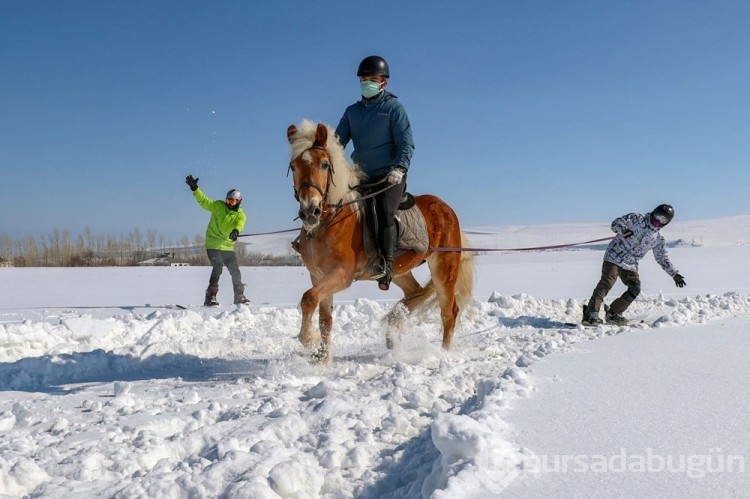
(427, 297)
(465, 282)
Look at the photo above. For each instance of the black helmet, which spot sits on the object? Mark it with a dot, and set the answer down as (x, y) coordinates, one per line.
(373, 65)
(662, 215)
(234, 199)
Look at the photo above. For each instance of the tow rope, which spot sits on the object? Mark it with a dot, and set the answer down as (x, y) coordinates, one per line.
(531, 248)
(268, 233)
(474, 250)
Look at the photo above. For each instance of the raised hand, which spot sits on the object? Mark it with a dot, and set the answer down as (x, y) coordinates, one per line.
(192, 182)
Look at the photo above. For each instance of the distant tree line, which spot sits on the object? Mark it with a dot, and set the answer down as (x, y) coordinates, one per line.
(63, 249)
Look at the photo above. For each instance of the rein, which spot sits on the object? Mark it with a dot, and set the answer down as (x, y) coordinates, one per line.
(368, 196)
(334, 209)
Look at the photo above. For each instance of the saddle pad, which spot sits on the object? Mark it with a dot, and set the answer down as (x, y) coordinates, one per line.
(412, 230)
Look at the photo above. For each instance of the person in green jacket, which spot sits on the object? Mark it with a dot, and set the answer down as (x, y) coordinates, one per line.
(227, 221)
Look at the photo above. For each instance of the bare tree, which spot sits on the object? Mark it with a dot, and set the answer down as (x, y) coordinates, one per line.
(58, 249)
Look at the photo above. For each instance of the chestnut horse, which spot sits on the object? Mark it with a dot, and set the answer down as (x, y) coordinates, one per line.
(332, 245)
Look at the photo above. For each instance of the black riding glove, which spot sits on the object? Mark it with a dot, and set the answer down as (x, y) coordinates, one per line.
(192, 182)
(679, 280)
(233, 235)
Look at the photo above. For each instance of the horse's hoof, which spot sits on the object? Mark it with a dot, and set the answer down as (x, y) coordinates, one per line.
(319, 355)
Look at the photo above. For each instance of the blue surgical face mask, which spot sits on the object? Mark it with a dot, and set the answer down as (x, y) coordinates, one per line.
(369, 88)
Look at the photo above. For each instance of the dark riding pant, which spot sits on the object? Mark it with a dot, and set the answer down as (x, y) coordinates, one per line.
(219, 259)
(386, 205)
(610, 273)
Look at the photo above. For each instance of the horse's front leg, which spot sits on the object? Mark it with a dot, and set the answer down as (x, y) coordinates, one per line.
(320, 296)
(325, 322)
(308, 336)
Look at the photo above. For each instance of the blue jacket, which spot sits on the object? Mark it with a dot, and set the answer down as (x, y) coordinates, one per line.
(380, 132)
(626, 252)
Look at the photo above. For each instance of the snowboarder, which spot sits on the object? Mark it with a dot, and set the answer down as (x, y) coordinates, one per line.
(379, 128)
(637, 234)
(226, 223)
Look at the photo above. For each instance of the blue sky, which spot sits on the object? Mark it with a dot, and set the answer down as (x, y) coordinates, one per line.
(524, 112)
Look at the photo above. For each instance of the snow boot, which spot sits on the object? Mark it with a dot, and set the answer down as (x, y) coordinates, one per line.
(591, 318)
(239, 296)
(241, 300)
(613, 318)
(210, 300)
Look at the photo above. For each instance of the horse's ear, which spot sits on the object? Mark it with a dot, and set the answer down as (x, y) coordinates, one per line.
(321, 136)
(290, 132)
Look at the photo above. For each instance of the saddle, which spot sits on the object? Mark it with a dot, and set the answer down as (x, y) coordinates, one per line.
(411, 229)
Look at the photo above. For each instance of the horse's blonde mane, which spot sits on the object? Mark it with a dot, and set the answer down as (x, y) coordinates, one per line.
(345, 173)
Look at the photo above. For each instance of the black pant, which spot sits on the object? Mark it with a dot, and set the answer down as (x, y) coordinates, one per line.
(386, 205)
(219, 259)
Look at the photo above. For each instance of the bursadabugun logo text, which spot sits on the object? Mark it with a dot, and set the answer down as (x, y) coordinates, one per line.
(693, 465)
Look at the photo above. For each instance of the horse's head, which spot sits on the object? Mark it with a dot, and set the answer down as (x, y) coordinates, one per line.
(312, 172)
(322, 176)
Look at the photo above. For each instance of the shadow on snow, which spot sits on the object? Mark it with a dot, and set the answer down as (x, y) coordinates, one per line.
(50, 373)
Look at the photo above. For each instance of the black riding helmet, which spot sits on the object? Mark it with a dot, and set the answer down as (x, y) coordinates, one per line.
(662, 215)
(373, 65)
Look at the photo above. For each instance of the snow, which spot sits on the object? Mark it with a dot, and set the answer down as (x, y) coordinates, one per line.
(108, 389)
(678, 398)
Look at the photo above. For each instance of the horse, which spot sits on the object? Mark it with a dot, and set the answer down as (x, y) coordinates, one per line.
(332, 247)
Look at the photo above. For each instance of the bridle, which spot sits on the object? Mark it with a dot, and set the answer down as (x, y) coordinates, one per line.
(333, 209)
(309, 184)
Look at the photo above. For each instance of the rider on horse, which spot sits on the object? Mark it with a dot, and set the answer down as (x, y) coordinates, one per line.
(381, 135)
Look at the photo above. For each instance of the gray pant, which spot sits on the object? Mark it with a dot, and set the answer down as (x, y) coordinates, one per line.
(610, 273)
(219, 259)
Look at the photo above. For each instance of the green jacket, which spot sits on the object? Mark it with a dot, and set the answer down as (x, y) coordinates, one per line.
(223, 220)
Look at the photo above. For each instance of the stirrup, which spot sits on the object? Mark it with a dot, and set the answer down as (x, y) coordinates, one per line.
(378, 269)
(384, 282)
(378, 274)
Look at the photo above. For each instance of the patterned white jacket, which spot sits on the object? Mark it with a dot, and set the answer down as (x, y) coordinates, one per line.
(626, 252)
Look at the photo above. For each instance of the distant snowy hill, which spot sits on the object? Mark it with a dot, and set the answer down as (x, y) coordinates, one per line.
(726, 231)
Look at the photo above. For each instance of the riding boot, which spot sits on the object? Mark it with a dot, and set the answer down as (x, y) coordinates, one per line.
(388, 243)
(295, 244)
(211, 293)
